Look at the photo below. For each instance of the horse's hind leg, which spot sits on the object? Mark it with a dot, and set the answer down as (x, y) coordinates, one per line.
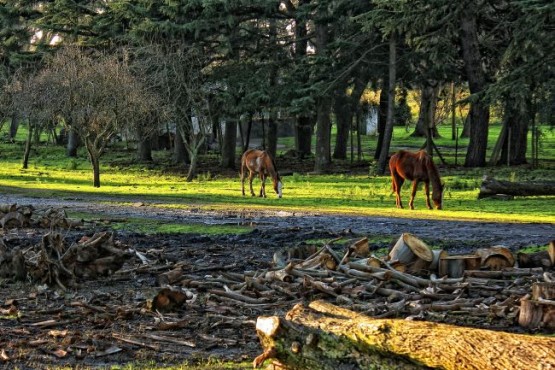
(427, 189)
(413, 193)
(263, 185)
(251, 177)
(243, 180)
(397, 183)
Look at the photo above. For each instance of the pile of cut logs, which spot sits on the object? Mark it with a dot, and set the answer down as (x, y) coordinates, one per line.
(412, 281)
(54, 261)
(415, 282)
(18, 216)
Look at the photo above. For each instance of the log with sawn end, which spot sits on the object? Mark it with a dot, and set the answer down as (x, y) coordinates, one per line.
(324, 336)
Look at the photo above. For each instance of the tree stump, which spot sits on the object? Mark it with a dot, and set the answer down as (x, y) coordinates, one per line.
(411, 252)
(324, 336)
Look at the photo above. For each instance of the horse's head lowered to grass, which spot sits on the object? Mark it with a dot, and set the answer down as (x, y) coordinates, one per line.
(260, 162)
(416, 167)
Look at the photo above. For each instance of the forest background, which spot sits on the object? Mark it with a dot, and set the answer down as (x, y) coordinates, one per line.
(472, 82)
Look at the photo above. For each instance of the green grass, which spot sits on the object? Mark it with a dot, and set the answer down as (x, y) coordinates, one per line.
(151, 226)
(51, 173)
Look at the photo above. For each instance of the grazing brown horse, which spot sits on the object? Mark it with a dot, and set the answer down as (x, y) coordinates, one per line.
(415, 167)
(261, 163)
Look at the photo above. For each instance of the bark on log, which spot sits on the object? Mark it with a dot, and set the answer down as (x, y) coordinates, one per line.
(536, 259)
(323, 336)
(491, 187)
(539, 311)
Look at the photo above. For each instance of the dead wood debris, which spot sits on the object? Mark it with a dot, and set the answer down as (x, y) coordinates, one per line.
(53, 261)
(378, 287)
(196, 306)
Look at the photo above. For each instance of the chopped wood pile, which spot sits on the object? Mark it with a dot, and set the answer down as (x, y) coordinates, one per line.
(483, 287)
(53, 261)
(14, 216)
(405, 283)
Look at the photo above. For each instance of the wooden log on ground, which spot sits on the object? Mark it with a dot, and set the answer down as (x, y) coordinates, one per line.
(7, 208)
(491, 187)
(536, 259)
(454, 266)
(538, 311)
(324, 336)
(496, 258)
(411, 254)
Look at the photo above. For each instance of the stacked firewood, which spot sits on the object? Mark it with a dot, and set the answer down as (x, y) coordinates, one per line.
(395, 286)
(18, 216)
(54, 261)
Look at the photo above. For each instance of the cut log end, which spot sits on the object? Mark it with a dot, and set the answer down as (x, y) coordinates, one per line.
(267, 325)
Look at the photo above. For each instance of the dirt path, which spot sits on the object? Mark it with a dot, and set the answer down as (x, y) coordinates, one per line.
(480, 234)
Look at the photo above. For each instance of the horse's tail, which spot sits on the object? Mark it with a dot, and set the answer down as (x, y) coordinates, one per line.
(393, 169)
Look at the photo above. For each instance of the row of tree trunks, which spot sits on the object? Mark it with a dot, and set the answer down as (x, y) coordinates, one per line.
(491, 187)
(324, 336)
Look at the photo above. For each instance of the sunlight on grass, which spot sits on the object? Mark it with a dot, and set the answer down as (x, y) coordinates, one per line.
(51, 173)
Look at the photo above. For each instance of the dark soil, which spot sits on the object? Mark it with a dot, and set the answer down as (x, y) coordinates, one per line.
(106, 321)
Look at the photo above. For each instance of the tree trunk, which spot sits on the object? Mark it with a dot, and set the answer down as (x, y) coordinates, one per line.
(382, 118)
(324, 336)
(14, 126)
(144, 148)
(323, 103)
(492, 187)
(247, 135)
(515, 140)
(479, 111)
(95, 162)
(426, 113)
(27, 152)
(388, 132)
(180, 155)
(323, 136)
(421, 128)
(229, 144)
(304, 124)
(343, 118)
(303, 135)
(73, 142)
(192, 172)
(271, 134)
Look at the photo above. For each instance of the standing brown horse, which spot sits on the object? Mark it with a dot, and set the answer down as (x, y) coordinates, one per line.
(415, 167)
(261, 163)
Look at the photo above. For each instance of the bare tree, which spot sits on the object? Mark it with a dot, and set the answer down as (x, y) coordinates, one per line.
(26, 96)
(175, 71)
(97, 96)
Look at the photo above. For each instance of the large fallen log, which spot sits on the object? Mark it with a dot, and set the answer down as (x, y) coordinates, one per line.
(324, 336)
(491, 187)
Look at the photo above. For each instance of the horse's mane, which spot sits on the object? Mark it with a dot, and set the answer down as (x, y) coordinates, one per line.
(274, 164)
(431, 168)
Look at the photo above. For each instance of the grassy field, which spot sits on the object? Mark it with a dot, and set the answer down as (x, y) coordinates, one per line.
(51, 173)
